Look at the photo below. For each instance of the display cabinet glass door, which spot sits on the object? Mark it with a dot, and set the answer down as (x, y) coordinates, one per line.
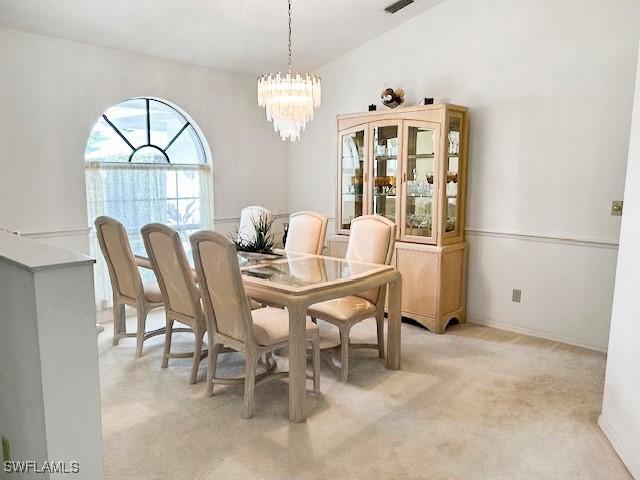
(452, 175)
(420, 181)
(353, 166)
(384, 169)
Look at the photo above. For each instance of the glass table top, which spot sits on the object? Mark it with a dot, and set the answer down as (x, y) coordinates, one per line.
(300, 273)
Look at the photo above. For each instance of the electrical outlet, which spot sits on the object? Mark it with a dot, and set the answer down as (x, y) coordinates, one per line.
(516, 295)
(6, 451)
(616, 208)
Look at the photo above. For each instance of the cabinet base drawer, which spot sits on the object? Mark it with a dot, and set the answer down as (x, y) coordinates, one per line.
(433, 280)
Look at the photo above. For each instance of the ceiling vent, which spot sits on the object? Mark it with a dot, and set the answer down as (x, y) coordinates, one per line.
(399, 5)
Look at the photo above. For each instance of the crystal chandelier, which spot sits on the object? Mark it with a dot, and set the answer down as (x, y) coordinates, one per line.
(289, 100)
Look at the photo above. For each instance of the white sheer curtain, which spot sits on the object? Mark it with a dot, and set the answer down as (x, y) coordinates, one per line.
(137, 194)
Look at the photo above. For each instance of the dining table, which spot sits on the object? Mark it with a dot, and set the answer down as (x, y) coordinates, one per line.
(296, 281)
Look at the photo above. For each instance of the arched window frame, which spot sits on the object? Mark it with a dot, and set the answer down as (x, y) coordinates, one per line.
(164, 149)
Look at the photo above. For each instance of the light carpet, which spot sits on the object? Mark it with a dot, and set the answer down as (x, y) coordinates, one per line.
(475, 403)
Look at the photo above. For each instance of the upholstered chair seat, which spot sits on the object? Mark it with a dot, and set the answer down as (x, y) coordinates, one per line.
(271, 326)
(126, 282)
(231, 322)
(371, 240)
(343, 309)
(152, 292)
(253, 304)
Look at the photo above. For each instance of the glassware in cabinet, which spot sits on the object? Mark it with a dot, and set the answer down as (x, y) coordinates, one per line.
(353, 146)
(420, 180)
(452, 174)
(385, 140)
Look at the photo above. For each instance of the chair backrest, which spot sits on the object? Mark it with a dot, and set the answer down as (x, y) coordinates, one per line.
(307, 231)
(371, 239)
(172, 270)
(249, 215)
(225, 302)
(123, 271)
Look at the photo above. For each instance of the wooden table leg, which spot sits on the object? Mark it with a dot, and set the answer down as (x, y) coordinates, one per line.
(395, 321)
(297, 361)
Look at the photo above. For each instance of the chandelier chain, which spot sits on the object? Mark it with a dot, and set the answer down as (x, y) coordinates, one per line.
(289, 36)
(289, 100)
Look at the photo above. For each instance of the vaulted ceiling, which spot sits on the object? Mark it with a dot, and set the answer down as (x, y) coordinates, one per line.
(247, 36)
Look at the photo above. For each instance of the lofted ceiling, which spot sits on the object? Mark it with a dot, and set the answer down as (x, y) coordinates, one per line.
(247, 36)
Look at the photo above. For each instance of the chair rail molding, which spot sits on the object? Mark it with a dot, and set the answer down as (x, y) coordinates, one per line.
(219, 220)
(73, 232)
(472, 232)
(543, 237)
(537, 237)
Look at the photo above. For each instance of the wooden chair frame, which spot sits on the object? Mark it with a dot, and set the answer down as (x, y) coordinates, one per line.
(248, 345)
(345, 326)
(139, 302)
(196, 322)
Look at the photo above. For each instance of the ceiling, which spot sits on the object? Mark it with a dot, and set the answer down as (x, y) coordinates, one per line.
(247, 36)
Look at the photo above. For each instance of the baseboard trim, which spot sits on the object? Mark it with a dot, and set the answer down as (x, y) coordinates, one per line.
(618, 446)
(532, 332)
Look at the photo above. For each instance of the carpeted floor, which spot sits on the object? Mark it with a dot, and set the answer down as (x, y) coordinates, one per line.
(475, 403)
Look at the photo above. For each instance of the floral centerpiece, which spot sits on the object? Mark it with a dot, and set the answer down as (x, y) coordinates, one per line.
(263, 241)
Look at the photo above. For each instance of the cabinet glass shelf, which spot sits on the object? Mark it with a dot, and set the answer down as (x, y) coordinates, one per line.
(385, 138)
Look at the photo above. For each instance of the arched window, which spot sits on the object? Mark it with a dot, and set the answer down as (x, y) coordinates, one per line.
(146, 162)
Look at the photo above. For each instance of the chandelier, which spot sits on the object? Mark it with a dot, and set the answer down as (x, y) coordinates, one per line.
(289, 100)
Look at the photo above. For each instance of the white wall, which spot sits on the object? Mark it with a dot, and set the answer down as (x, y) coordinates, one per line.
(620, 417)
(549, 84)
(52, 91)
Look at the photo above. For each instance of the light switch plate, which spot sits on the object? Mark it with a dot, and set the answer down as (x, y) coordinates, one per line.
(616, 208)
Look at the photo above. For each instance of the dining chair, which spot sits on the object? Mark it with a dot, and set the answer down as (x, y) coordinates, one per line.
(126, 283)
(371, 240)
(248, 216)
(179, 289)
(231, 322)
(307, 231)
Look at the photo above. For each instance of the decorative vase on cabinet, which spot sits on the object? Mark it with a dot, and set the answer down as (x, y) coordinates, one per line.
(409, 165)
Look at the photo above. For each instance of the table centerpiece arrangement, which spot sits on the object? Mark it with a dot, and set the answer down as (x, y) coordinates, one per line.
(261, 242)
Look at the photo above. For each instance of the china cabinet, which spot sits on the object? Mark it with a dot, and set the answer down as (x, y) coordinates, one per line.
(409, 165)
